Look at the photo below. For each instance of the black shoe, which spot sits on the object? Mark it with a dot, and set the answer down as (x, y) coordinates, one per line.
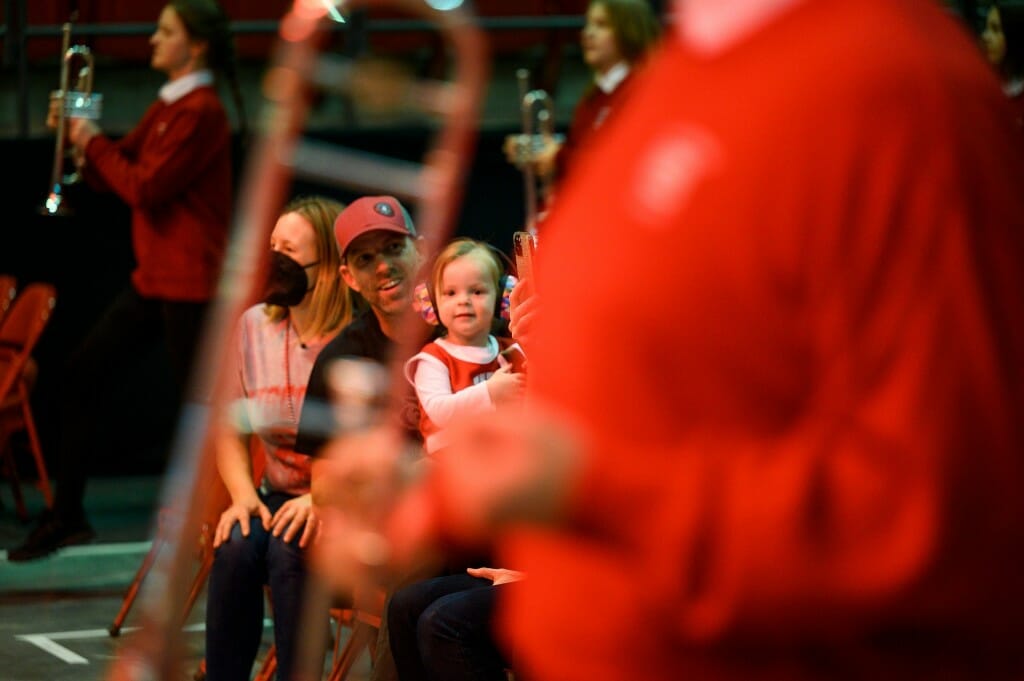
(51, 534)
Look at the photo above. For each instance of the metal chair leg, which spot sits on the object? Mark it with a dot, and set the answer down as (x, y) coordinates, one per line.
(133, 589)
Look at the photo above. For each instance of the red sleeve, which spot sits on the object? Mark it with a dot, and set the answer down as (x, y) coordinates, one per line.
(816, 410)
(164, 153)
(579, 128)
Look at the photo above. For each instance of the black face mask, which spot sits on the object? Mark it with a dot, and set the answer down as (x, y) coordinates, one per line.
(286, 281)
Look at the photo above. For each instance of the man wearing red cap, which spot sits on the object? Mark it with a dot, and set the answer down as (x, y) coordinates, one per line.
(380, 260)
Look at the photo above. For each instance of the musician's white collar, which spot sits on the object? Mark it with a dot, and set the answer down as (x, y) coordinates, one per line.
(612, 78)
(179, 87)
(712, 26)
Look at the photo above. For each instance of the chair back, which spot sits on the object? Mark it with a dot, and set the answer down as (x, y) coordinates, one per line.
(8, 289)
(20, 330)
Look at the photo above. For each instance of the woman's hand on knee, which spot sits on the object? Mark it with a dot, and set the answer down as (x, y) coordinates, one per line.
(240, 513)
(295, 516)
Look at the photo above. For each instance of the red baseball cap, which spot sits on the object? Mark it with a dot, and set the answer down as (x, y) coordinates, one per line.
(368, 214)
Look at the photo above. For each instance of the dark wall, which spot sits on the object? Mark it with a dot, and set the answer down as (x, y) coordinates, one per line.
(88, 257)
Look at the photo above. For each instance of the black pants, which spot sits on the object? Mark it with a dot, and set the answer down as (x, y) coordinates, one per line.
(441, 630)
(128, 328)
(235, 599)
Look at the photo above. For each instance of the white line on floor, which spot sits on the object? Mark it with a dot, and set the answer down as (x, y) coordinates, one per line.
(54, 648)
(48, 642)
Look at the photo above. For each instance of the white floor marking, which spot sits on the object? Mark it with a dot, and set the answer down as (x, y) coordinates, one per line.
(48, 642)
(54, 648)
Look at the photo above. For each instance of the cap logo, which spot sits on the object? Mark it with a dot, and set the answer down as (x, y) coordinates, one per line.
(384, 209)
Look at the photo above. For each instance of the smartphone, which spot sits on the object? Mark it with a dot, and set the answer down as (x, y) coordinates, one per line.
(515, 356)
(524, 246)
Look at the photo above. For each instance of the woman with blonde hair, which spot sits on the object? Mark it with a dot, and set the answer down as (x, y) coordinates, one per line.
(174, 172)
(261, 537)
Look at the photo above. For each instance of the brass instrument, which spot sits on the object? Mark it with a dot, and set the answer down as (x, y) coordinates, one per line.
(78, 101)
(432, 190)
(538, 120)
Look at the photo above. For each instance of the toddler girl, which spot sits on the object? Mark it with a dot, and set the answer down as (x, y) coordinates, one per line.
(463, 372)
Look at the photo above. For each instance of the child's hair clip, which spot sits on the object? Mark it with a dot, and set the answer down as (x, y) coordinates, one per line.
(506, 296)
(421, 303)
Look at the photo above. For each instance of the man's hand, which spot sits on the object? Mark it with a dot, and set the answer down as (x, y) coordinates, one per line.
(497, 575)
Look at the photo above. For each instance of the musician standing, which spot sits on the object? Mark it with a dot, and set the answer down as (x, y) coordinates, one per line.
(174, 170)
(616, 38)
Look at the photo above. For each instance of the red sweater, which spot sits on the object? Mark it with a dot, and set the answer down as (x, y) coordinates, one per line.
(591, 113)
(174, 172)
(1017, 102)
(805, 449)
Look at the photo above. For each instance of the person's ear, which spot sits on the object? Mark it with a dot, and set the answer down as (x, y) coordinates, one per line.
(198, 49)
(347, 277)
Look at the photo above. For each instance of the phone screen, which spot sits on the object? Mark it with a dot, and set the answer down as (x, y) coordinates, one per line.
(524, 246)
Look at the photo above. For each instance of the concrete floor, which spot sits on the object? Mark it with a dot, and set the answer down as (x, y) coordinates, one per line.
(55, 612)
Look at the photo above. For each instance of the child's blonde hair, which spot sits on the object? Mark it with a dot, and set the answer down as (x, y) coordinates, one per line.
(461, 247)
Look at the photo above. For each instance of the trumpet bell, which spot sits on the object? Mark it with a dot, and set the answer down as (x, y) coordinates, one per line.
(54, 205)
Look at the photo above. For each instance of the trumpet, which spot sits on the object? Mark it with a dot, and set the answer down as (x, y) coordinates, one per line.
(538, 120)
(77, 101)
(433, 191)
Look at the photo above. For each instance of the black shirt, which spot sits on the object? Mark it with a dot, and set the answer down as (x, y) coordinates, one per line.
(362, 338)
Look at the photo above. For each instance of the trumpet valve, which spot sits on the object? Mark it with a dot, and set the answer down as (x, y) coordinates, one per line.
(79, 104)
(526, 149)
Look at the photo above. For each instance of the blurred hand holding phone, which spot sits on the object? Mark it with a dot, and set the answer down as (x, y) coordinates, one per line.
(523, 303)
(515, 357)
(524, 245)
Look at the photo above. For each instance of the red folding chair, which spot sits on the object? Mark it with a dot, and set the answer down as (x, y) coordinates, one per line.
(362, 618)
(20, 329)
(8, 289)
(217, 500)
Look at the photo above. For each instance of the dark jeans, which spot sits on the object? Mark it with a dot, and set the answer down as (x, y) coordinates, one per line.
(128, 327)
(440, 630)
(234, 600)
